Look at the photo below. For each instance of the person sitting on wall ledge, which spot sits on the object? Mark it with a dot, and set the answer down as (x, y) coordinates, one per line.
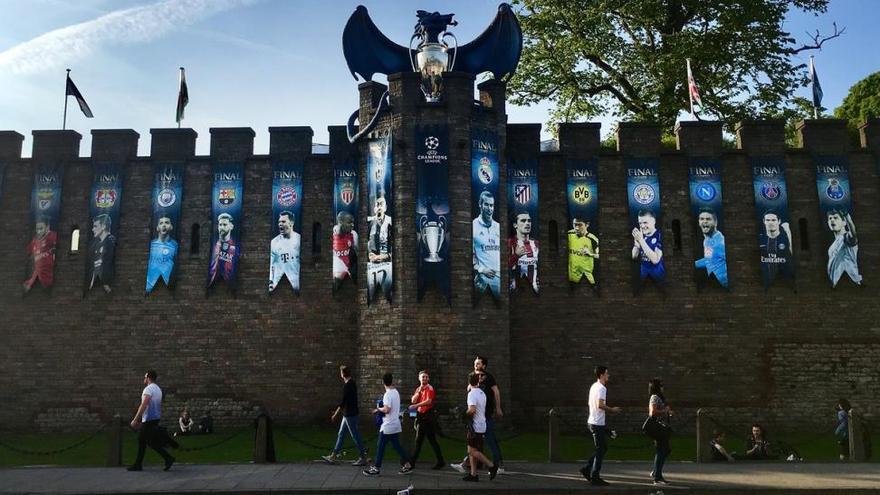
(757, 445)
(185, 424)
(206, 423)
(719, 453)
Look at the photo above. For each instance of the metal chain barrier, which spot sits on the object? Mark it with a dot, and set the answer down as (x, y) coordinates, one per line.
(79, 443)
(210, 445)
(303, 442)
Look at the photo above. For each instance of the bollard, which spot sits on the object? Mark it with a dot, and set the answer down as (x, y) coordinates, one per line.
(114, 442)
(704, 436)
(261, 440)
(553, 436)
(857, 451)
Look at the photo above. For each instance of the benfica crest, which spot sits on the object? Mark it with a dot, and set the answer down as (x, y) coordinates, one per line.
(346, 194)
(522, 193)
(105, 198)
(226, 196)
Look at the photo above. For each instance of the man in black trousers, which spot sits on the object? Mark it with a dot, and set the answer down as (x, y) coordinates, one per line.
(146, 422)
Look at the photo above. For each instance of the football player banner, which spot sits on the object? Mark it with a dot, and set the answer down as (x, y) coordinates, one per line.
(643, 191)
(345, 208)
(432, 209)
(835, 208)
(522, 244)
(46, 210)
(381, 211)
(286, 221)
(582, 189)
(704, 183)
(104, 209)
(167, 199)
(771, 207)
(227, 197)
(485, 181)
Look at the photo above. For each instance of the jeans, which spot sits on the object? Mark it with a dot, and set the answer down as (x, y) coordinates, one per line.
(394, 438)
(600, 441)
(426, 428)
(149, 435)
(351, 424)
(661, 453)
(493, 442)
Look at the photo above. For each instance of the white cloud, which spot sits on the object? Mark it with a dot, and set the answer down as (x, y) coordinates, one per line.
(135, 25)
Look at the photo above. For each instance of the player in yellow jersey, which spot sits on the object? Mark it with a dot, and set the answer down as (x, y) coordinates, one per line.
(583, 248)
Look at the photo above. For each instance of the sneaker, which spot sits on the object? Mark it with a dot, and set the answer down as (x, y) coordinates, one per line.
(439, 465)
(168, 463)
(330, 458)
(585, 471)
(371, 471)
(493, 472)
(134, 468)
(406, 469)
(599, 482)
(458, 467)
(471, 477)
(652, 475)
(661, 481)
(360, 462)
(501, 470)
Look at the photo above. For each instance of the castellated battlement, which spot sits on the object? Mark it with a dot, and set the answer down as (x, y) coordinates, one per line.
(783, 355)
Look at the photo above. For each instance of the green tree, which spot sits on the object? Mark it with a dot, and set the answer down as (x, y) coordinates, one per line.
(862, 102)
(627, 57)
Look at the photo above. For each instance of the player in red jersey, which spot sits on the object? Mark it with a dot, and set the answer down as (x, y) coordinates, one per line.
(41, 255)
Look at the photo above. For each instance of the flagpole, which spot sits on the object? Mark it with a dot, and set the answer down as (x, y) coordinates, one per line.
(64, 122)
(813, 80)
(690, 95)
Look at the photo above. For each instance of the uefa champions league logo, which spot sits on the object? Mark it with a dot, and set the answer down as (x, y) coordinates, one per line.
(644, 194)
(834, 191)
(432, 142)
(166, 198)
(705, 191)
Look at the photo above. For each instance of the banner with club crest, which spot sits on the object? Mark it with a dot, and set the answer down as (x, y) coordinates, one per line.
(345, 211)
(704, 181)
(286, 224)
(432, 209)
(227, 195)
(771, 206)
(45, 211)
(643, 191)
(835, 208)
(485, 182)
(104, 209)
(381, 210)
(165, 224)
(582, 190)
(522, 207)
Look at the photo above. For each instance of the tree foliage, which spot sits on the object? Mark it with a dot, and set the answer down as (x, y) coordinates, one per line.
(627, 57)
(862, 102)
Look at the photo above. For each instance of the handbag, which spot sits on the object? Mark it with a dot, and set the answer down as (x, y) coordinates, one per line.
(655, 428)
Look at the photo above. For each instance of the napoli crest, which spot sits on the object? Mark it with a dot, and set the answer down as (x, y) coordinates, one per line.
(485, 171)
(432, 142)
(835, 191)
(226, 196)
(105, 198)
(771, 190)
(286, 196)
(706, 191)
(581, 194)
(166, 198)
(644, 194)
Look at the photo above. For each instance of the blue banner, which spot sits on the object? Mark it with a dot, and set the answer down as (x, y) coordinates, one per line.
(432, 209)
(771, 206)
(523, 245)
(835, 207)
(167, 199)
(46, 211)
(381, 207)
(582, 190)
(643, 191)
(345, 209)
(704, 180)
(485, 182)
(286, 222)
(104, 208)
(228, 195)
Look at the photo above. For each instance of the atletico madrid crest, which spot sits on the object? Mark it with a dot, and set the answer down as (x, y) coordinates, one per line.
(522, 193)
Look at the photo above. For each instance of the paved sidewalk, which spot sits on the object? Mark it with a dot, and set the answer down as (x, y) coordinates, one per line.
(521, 478)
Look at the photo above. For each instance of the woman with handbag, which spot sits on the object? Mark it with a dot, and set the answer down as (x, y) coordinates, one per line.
(658, 417)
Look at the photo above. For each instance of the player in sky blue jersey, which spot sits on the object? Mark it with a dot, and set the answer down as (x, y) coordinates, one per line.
(714, 259)
(648, 248)
(163, 251)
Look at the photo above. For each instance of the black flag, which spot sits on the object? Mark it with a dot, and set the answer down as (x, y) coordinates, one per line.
(74, 92)
(182, 97)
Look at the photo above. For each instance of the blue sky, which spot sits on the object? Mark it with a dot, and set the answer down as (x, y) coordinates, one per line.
(261, 63)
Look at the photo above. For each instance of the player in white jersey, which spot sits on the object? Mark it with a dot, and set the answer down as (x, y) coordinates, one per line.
(487, 247)
(285, 248)
(843, 252)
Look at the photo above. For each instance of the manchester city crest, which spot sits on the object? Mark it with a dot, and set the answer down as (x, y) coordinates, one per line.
(644, 194)
(286, 196)
(485, 171)
(581, 194)
(226, 196)
(706, 191)
(105, 198)
(834, 190)
(771, 190)
(166, 198)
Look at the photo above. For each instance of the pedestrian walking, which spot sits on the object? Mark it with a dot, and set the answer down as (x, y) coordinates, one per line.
(493, 413)
(426, 421)
(841, 431)
(659, 412)
(476, 402)
(146, 422)
(389, 430)
(596, 423)
(348, 407)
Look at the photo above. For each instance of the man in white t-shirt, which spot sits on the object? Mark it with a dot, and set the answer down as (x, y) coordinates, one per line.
(146, 421)
(476, 402)
(390, 429)
(596, 423)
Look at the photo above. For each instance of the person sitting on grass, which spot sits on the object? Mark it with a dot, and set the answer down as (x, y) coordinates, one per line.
(757, 445)
(185, 424)
(719, 453)
(206, 423)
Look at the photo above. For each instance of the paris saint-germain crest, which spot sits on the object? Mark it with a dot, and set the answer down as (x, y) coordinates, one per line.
(644, 194)
(705, 191)
(834, 191)
(771, 190)
(522, 193)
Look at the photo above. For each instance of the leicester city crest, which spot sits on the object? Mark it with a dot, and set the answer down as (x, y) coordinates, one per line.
(581, 194)
(105, 198)
(770, 190)
(485, 171)
(706, 191)
(834, 190)
(644, 194)
(226, 196)
(286, 196)
(166, 198)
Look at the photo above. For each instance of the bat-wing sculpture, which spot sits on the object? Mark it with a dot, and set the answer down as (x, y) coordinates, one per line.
(368, 51)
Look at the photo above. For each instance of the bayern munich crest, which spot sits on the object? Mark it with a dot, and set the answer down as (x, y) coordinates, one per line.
(432, 142)
(485, 171)
(644, 194)
(286, 196)
(105, 198)
(226, 196)
(166, 198)
(835, 191)
(771, 190)
(706, 191)
(581, 194)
